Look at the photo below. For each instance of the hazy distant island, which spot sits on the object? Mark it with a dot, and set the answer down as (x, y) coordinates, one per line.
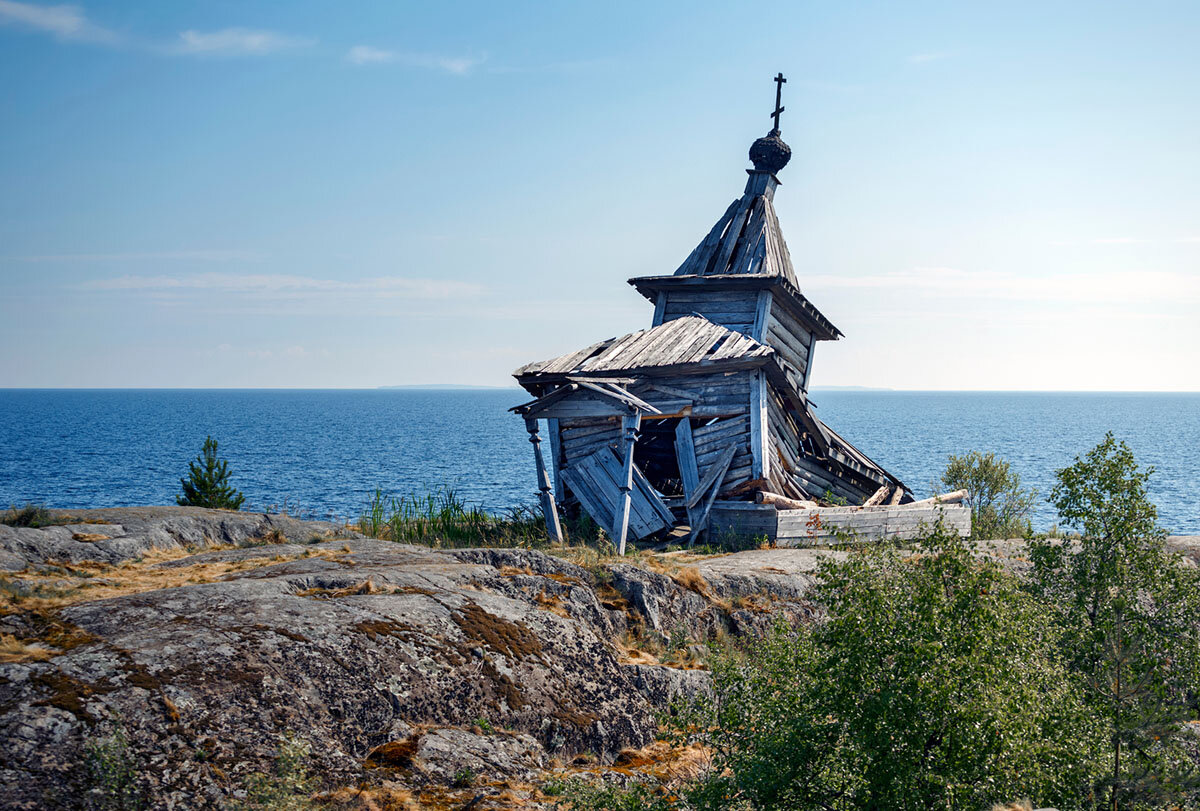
(447, 387)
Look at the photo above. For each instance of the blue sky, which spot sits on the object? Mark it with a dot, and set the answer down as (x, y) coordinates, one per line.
(1001, 196)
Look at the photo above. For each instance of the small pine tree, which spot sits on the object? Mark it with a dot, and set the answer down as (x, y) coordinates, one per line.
(207, 484)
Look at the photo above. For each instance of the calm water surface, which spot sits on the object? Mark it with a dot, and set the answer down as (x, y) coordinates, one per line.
(325, 452)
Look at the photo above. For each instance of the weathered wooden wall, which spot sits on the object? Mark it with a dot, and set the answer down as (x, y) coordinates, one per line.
(831, 524)
(792, 341)
(733, 309)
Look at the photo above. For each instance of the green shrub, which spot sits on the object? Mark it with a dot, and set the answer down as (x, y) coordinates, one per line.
(579, 795)
(936, 682)
(207, 484)
(35, 515)
(1129, 612)
(999, 507)
(288, 787)
(112, 773)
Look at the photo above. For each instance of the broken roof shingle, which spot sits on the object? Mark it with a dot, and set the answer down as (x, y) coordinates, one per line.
(689, 340)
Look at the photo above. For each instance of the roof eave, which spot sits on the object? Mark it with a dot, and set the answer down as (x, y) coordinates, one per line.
(808, 313)
(694, 368)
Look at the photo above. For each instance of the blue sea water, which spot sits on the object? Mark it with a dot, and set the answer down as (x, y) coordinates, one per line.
(322, 453)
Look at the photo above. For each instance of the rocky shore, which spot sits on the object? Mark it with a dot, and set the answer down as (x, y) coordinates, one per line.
(200, 639)
(203, 636)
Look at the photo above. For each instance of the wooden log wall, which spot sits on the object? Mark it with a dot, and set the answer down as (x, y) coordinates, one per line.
(712, 439)
(733, 309)
(579, 438)
(799, 528)
(784, 447)
(711, 395)
(788, 337)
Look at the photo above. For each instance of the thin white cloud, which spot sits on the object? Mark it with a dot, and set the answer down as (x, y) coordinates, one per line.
(455, 65)
(290, 286)
(63, 22)
(1101, 287)
(204, 256)
(236, 42)
(918, 59)
(367, 55)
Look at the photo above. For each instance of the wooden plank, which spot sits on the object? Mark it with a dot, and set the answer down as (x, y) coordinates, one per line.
(762, 311)
(721, 431)
(808, 367)
(685, 456)
(649, 518)
(710, 476)
(758, 426)
(730, 239)
(571, 432)
(702, 522)
(698, 258)
(660, 306)
(556, 457)
(608, 480)
(593, 502)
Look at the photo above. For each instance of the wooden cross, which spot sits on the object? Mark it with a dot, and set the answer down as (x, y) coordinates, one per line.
(779, 83)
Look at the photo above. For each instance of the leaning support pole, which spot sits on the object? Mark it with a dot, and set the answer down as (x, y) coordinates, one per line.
(549, 509)
(630, 426)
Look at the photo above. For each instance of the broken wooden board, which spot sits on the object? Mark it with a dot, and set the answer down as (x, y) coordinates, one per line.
(595, 481)
(835, 524)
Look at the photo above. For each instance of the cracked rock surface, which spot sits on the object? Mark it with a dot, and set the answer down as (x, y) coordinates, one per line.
(361, 647)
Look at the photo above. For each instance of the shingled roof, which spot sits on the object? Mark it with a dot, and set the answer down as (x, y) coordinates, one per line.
(747, 239)
(690, 341)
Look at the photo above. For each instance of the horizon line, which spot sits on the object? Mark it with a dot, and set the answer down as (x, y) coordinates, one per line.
(468, 387)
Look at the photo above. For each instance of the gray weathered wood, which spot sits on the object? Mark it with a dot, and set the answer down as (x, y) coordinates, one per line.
(629, 426)
(554, 431)
(761, 313)
(758, 426)
(713, 475)
(549, 509)
(702, 521)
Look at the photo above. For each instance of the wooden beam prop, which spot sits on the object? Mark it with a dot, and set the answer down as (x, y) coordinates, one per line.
(878, 497)
(783, 502)
(896, 496)
(955, 497)
(629, 426)
(689, 474)
(714, 474)
(545, 495)
(722, 467)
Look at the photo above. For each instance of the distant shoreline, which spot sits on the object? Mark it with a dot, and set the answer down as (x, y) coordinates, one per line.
(462, 387)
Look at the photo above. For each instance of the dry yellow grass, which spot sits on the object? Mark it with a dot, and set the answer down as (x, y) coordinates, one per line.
(70, 583)
(14, 650)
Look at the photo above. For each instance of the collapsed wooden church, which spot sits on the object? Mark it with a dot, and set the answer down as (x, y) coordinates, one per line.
(703, 420)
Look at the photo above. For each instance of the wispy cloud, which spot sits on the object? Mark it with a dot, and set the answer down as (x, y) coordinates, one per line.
(456, 65)
(290, 286)
(934, 56)
(367, 55)
(236, 42)
(157, 256)
(63, 22)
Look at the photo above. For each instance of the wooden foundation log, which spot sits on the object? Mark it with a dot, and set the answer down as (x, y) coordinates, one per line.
(955, 497)
(879, 496)
(783, 502)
